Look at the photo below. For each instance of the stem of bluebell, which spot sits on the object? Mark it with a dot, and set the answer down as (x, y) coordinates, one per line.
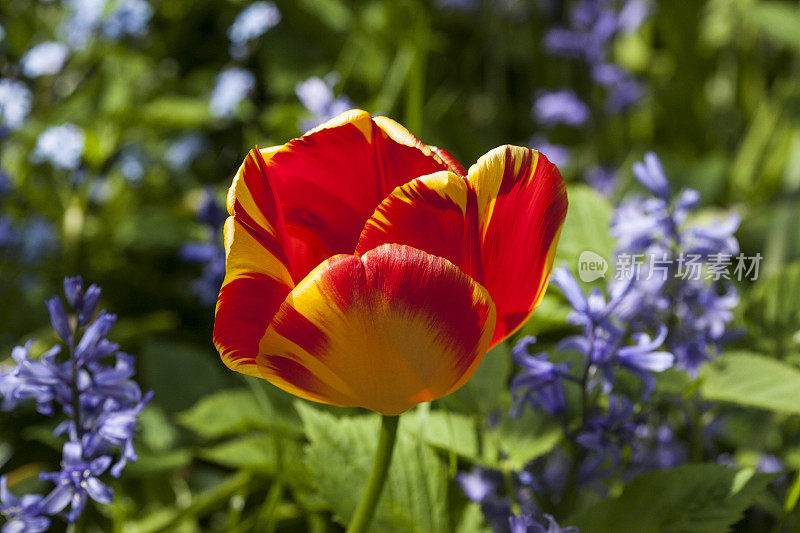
(377, 477)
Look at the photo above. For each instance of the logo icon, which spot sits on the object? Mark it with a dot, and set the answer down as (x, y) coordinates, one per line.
(591, 266)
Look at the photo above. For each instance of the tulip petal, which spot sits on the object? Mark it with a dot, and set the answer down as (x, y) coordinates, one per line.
(522, 201)
(330, 180)
(256, 283)
(500, 226)
(385, 331)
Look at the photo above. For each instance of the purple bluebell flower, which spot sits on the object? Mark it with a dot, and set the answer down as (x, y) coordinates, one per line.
(658, 449)
(232, 86)
(208, 253)
(656, 227)
(650, 173)
(527, 524)
(540, 381)
(77, 482)
(44, 59)
(24, 514)
(15, 102)
(61, 145)
(316, 94)
(601, 179)
(606, 434)
(560, 107)
(94, 387)
(557, 154)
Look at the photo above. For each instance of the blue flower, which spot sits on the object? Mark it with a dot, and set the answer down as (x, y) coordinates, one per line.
(527, 524)
(560, 107)
(61, 145)
(232, 86)
(183, 151)
(316, 95)
(101, 400)
(129, 17)
(44, 59)
(252, 22)
(209, 253)
(558, 154)
(76, 482)
(15, 102)
(540, 380)
(23, 515)
(650, 173)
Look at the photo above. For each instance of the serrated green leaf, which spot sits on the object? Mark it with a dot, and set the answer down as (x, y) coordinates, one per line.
(753, 380)
(701, 498)
(340, 456)
(450, 432)
(231, 412)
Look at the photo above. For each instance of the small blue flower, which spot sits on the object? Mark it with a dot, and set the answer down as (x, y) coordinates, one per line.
(560, 107)
(650, 173)
(540, 380)
(61, 145)
(76, 482)
(15, 102)
(557, 154)
(183, 151)
(316, 95)
(232, 86)
(44, 59)
(252, 22)
(527, 524)
(23, 515)
(129, 17)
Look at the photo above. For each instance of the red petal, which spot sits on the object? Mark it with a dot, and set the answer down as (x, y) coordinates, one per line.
(387, 331)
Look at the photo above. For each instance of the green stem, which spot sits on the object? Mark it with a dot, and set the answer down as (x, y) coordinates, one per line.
(380, 467)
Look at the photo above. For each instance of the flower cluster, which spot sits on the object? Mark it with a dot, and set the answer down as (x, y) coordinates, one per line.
(641, 325)
(488, 489)
(697, 309)
(592, 27)
(92, 385)
(208, 252)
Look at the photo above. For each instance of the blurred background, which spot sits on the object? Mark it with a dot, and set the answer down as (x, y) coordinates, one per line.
(122, 123)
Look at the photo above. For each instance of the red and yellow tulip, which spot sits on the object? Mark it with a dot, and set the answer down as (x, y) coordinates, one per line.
(365, 268)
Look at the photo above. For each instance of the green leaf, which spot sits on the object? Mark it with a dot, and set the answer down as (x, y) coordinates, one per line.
(340, 457)
(450, 432)
(754, 381)
(231, 412)
(487, 389)
(525, 438)
(701, 498)
(256, 452)
(586, 226)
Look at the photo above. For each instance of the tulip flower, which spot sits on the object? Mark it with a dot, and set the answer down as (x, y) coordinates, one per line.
(365, 268)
